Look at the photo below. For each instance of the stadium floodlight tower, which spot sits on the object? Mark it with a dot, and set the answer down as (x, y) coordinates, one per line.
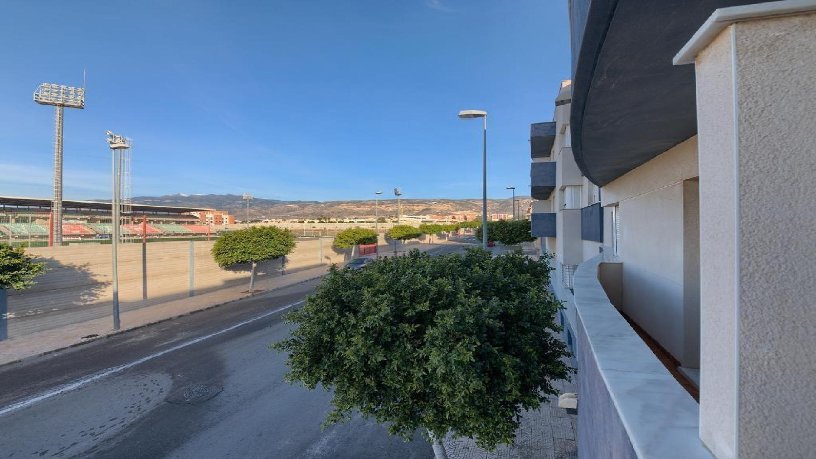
(117, 144)
(60, 97)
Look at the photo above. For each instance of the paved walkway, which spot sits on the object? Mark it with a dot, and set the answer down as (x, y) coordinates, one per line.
(548, 432)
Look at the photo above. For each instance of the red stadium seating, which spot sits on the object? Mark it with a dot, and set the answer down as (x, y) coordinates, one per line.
(76, 229)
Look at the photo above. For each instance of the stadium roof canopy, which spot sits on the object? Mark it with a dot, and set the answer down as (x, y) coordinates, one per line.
(9, 201)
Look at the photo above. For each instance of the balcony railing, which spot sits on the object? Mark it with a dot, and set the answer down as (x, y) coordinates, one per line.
(542, 224)
(542, 137)
(542, 180)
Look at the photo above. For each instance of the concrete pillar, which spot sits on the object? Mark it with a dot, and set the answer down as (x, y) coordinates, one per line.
(756, 115)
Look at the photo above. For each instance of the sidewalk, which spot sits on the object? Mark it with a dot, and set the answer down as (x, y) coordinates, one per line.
(43, 342)
(548, 432)
(34, 344)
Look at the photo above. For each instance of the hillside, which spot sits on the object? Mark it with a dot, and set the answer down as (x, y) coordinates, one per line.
(270, 208)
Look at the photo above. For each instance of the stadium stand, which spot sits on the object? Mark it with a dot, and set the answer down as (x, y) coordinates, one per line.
(76, 229)
(171, 228)
(101, 228)
(199, 229)
(24, 229)
(137, 229)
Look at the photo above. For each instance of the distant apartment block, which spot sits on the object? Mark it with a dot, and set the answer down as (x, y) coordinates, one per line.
(673, 188)
(214, 218)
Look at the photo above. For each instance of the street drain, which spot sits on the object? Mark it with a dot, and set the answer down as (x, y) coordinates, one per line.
(94, 335)
(194, 394)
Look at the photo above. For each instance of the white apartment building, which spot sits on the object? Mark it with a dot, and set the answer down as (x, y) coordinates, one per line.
(676, 182)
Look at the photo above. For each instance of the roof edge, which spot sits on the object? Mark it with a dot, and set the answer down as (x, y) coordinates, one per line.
(724, 17)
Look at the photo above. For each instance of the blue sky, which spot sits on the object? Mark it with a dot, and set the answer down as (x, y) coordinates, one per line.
(313, 100)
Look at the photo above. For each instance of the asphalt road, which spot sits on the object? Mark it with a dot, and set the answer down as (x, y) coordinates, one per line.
(203, 385)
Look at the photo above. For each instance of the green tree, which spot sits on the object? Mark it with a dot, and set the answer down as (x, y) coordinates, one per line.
(508, 232)
(354, 236)
(430, 229)
(470, 224)
(17, 271)
(455, 344)
(252, 245)
(404, 232)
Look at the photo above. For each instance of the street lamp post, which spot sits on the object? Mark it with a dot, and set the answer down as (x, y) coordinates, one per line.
(398, 193)
(117, 143)
(468, 114)
(247, 197)
(377, 212)
(514, 200)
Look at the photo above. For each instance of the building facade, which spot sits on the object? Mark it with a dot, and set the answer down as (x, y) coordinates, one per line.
(673, 190)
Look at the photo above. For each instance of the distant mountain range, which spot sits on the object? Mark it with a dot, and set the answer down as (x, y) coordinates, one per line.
(272, 208)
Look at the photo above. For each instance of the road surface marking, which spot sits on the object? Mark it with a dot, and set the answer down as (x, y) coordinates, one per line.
(105, 373)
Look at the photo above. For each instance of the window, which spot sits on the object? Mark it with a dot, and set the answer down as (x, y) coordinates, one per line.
(571, 197)
(568, 137)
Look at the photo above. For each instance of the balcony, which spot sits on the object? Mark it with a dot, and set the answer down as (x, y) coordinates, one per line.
(543, 224)
(628, 107)
(542, 180)
(592, 223)
(630, 405)
(542, 137)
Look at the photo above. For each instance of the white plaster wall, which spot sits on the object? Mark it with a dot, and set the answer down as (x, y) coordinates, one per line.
(651, 248)
(718, 377)
(569, 236)
(567, 172)
(650, 204)
(677, 164)
(776, 90)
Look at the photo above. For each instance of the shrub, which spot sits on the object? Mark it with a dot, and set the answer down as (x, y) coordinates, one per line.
(455, 344)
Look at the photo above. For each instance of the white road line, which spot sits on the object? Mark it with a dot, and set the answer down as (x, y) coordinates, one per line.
(105, 373)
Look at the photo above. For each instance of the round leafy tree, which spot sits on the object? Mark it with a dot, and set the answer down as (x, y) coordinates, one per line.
(252, 245)
(354, 236)
(451, 344)
(404, 232)
(508, 232)
(17, 271)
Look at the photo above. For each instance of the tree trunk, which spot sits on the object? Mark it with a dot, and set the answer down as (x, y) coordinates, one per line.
(438, 447)
(3, 314)
(252, 278)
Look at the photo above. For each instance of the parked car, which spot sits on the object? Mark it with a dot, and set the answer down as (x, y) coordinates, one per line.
(359, 263)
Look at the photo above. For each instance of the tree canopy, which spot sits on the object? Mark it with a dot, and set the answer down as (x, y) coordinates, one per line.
(508, 232)
(354, 236)
(404, 232)
(470, 224)
(454, 343)
(252, 245)
(17, 269)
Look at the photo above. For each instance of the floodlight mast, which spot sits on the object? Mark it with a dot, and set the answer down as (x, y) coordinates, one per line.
(59, 96)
